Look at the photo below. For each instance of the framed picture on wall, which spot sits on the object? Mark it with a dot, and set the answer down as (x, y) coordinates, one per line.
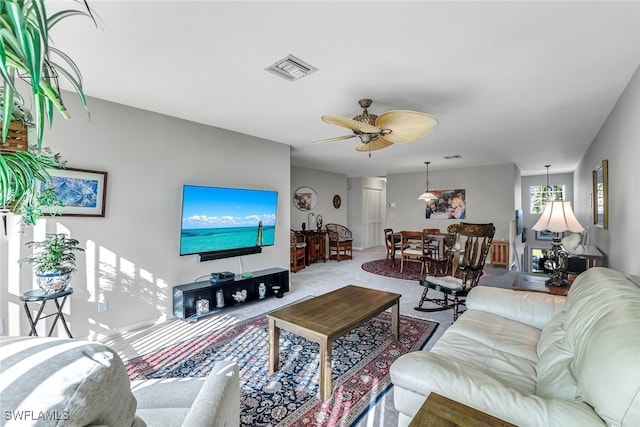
(601, 195)
(82, 192)
(546, 235)
(519, 222)
(448, 204)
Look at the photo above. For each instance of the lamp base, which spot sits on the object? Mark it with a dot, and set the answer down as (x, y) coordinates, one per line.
(558, 282)
(556, 263)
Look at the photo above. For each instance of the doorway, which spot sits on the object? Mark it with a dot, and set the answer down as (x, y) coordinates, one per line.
(372, 217)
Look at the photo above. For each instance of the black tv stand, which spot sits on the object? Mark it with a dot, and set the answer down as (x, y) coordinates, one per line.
(185, 296)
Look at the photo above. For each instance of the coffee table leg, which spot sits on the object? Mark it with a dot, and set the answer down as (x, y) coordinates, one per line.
(395, 319)
(325, 369)
(274, 346)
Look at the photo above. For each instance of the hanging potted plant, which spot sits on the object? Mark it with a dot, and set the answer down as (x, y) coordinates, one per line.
(26, 184)
(53, 260)
(25, 53)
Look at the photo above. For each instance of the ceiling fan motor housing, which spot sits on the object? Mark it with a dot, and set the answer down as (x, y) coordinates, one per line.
(365, 117)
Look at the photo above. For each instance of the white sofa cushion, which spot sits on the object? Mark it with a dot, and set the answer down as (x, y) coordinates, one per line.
(80, 383)
(501, 348)
(555, 379)
(481, 391)
(531, 308)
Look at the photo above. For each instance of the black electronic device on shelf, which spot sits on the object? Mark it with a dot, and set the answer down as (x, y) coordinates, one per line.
(223, 277)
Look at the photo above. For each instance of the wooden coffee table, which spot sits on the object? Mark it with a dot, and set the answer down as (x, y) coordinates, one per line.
(325, 318)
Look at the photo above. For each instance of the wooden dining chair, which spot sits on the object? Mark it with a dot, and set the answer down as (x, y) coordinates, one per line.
(298, 251)
(392, 243)
(432, 246)
(412, 248)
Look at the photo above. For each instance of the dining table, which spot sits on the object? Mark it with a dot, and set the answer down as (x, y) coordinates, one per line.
(430, 237)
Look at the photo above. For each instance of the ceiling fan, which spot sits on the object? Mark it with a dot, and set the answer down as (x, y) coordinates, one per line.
(378, 132)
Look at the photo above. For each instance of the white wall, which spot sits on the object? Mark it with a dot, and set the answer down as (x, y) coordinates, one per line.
(619, 142)
(490, 197)
(132, 253)
(326, 185)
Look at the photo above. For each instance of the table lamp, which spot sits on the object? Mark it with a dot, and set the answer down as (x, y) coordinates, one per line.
(557, 217)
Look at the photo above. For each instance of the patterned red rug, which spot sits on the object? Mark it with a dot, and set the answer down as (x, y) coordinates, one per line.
(289, 397)
(383, 267)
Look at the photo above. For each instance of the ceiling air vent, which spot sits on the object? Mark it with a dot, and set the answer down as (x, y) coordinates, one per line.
(291, 68)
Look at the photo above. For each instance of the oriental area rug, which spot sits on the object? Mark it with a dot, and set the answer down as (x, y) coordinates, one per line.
(383, 267)
(289, 397)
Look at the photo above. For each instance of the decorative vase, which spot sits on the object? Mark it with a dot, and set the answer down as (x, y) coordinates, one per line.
(276, 291)
(56, 281)
(219, 298)
(304, 226)
(262, 291)
(319, 222)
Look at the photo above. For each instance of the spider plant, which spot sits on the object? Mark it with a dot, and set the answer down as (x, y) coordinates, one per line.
(26, 184)
(25, 52)
(27, 55)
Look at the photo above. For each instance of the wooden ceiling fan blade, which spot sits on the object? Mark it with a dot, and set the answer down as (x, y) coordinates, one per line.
(350, 124)
(378, 144)
(337, 138)
(406, 125)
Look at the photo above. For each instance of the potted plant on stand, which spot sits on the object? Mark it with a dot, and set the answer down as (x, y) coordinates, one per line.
(25, 53)
(53, 260)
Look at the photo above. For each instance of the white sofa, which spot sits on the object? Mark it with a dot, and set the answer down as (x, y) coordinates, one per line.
(535, 359)
(54, 381)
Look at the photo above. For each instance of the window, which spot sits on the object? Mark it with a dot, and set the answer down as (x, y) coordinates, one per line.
(540, 194)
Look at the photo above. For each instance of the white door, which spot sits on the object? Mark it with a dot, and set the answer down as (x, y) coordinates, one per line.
(372, 218)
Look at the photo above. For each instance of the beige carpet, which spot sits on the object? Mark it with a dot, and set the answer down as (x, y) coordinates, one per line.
(316, 279)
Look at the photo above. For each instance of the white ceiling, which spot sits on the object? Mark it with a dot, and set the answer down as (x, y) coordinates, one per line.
(523, 82)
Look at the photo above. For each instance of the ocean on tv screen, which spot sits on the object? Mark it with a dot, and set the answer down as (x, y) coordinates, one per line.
(201, 240)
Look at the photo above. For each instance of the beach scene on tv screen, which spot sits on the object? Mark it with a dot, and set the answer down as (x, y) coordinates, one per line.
(216, 219)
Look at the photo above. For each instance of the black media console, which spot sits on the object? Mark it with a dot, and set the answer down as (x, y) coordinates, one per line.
(187, 297)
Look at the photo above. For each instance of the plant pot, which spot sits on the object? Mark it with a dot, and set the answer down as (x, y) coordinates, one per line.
(17, 138)
(53, 282)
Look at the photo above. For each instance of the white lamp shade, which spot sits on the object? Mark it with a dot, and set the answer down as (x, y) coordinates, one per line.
(426, 196)
(558, 217)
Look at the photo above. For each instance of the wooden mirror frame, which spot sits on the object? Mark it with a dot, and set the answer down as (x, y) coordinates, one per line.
(305, 198)
(601, 195)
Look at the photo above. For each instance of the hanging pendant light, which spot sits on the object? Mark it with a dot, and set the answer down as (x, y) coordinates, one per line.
(548, 191)
(426, 196)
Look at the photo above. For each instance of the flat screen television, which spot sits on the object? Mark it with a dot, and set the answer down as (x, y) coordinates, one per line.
(220, 222)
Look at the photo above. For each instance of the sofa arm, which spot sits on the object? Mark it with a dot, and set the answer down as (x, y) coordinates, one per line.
(218, 402)
(531, 308)
(192, 402)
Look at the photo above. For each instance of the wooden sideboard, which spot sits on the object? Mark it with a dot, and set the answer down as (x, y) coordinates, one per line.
(316, 245)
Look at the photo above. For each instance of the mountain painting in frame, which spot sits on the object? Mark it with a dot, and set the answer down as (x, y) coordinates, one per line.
(82, 192)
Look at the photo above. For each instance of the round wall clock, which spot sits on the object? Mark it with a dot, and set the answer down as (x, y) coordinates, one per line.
(337, 201)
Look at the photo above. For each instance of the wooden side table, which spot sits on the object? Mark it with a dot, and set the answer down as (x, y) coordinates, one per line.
(38, 295)
(500, 252)
(536, 283)
(315, 245)
(439, 411)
